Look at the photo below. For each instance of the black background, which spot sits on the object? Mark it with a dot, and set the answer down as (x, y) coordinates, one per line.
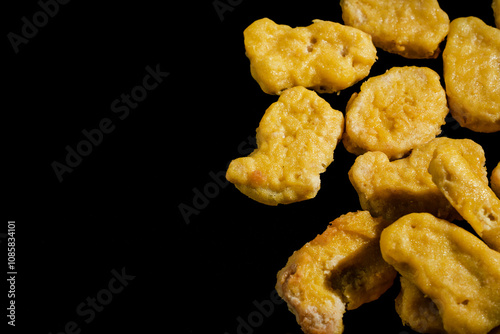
(119, 208)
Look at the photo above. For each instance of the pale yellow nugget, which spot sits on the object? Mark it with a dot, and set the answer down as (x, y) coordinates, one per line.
(410, 28)
(392, 189)
(471, 69)
(468, 194)
(496, 11)
(451, 266)
(295, 142)
(325, 56)
(495, 180)
(395, 112)
(342, 266)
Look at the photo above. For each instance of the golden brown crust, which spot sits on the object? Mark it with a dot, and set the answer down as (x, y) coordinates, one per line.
(495, 180)
(340, 267)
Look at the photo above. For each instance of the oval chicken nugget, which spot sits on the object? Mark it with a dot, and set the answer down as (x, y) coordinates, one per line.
(451, 266)
(467, 192)
(410, 28)
(471, 69)
(341, 266)
(392, 189)
(325, 56)
(295, 142)
(395, 112)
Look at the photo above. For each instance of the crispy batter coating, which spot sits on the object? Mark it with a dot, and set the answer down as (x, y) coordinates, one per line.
(410, 28)
(496, 11)
(467, 192)
(418, 311)
(472, 73)
(495, 180)
(394, 189)
(341, 266)
(295, 142)
(395, 112)
(451, 266)
(325, 56)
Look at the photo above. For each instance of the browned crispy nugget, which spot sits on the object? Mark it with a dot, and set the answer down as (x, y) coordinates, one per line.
(341, 266)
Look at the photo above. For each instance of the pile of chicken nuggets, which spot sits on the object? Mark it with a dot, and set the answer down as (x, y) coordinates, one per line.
(411, 183)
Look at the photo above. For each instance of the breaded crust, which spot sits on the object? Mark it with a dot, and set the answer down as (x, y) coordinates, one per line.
(495, 180)
(468, 193)
(394, 189)
(451, 266)
(295, 142)
(325, 56)
(395, 112)
(341, 266)
(496, 12)
(410, 28)
(472, 74)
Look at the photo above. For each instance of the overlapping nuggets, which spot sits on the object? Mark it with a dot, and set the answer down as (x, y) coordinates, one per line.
(394, 189)
(455, 269)
(296, 139)
(325, 56)
(341, 266)
(468, 193)
(472, 74)
(395, 112)
(411, 28)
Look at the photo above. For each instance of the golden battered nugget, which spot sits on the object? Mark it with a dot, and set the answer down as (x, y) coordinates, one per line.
(468, 193)
(410, 28)
(418, 311)
(324, 56)
(395, 112)
(496, 11)
(495, 180)
(295, 142)
(394, 189)
(471, 61)
(341, 266)
(451, 266)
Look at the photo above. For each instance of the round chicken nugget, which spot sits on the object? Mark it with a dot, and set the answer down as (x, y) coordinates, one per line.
(295, 142)
(325, 56)
(395, 112)
(471, 69)
(410, 28)
(495, 180)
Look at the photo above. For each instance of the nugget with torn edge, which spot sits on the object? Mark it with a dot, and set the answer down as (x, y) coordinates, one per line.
(472, 74)
(394, 189)
(451, 266)
(395, 112)
(325, 56)
(295, 142)
(341, 268)
(410, 28)
(468, 193)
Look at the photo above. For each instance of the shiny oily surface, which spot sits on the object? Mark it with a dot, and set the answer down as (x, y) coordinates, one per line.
(394, 189)
(459, 272)
(296, 139)
(410, 28)
(325, 56)
(341, 266)
(471, 61)
(395, 112)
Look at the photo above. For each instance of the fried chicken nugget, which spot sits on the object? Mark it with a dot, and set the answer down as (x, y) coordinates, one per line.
(472, 74)
(295, 142)
(451, 266)
(394, 189)
(341, 266)
(410, 28)
(495, 180)
(395, 112)
(496, 12)
(325, 56)
(468, 193)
